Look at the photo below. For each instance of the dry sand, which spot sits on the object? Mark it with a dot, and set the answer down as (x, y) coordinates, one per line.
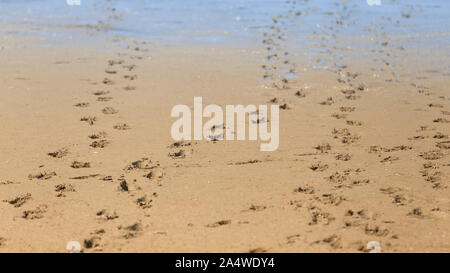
(86, 153)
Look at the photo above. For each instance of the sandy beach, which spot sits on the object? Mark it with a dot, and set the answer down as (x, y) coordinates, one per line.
(87, 154)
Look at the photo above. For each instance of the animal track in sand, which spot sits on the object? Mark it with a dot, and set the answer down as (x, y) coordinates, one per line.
(431, 174)
(419, 137)
(90, 120)
(352, 75)
(323, 148)
(360, 87)
(95, 240)
(110, 71)
(291, 239)
(122, 126)
(98, 135)
(129, 88)
(123, 184)
(343, 157)
(178, 154)
(104, 99)
(100, 93)
(106, 215)
(7, 182)
(389, 159)
(417, 212)
(114, 62)
(297, 204)
(142, 164)
(144, 202)
(441, 120)
(300, 94)
(251, 161)
(348, 92)
(345, 136)
(328, 101)
(272, 57)
(353, 171)
(132, 231)
(318, 216)
(36, 213)
(358, 218)
(337, 178)
(378, 149)
(219, 223)
(334, 241)
(343, 80)
(107, 81)
(256, 208)
(82, 104)
(179, 144)
(307, 189)
(61, 189)
(85, 177)
(354, 123)
(423, 128)
(42, 175)
(130, 77)
(359, 182)
(18, 201)
(79, 165)
(330, 199)
(339, 116)
(374, 230)
(432, 155)
(397, 148)
(109, 111)
(100, 143)
(435, 105)
(154, 174)
(276, 100)
(401, 199)
(445, 145)
(106, 178)
(129, 67)
(352, 97)
(430, 165)
(60, 153)
(439, 135)
(286, 106)
(347, 109)
(319, 166)
(390, 190)
(92, 242)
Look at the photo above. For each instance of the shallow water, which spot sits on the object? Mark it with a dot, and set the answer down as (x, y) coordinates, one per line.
(218, 21)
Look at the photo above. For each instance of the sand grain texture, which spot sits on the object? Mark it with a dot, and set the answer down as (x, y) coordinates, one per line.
(362, 157)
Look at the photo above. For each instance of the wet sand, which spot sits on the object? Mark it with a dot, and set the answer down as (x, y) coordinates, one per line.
(87, 155)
